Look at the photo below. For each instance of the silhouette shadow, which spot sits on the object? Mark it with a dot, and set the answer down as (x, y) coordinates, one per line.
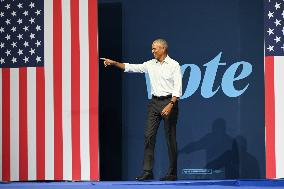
(214, 143)
(238, 163)
(225, 154)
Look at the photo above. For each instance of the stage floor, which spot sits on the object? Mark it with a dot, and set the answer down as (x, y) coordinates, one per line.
(181, 184)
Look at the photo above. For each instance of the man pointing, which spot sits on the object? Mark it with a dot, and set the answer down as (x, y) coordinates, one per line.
(166, 88)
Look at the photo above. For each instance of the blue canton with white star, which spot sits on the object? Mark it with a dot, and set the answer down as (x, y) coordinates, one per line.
(274, 27)
(21, 33)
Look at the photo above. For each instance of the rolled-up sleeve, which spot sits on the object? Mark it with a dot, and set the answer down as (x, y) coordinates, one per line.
(135, 68)
(177, 92)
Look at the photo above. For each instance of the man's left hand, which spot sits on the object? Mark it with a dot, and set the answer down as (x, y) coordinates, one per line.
(167, 110)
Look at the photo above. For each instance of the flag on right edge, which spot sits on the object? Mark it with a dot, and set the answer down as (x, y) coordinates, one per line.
(274, 87)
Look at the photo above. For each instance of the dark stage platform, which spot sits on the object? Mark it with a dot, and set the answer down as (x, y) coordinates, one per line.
(181, 184)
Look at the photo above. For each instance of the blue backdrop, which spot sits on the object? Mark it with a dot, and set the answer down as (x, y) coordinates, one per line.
(218, 137)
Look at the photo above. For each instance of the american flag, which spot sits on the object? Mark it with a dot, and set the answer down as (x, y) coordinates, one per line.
(274, 87)
(48, 90)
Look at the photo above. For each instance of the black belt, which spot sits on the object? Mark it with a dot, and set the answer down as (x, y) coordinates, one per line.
(161, 97)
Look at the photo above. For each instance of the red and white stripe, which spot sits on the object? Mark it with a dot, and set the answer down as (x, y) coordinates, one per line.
(274, 116)
(49, 115)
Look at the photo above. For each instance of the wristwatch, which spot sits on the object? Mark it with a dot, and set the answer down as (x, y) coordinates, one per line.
(172, 102)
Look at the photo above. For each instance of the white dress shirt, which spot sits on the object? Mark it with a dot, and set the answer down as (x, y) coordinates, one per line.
(165, 78)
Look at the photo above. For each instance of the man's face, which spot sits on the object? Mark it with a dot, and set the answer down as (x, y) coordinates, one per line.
(158, 50)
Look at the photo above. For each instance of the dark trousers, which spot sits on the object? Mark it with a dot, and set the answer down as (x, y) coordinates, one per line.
(154, 118)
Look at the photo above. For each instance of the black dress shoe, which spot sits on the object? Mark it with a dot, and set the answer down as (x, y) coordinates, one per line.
(169, 178)
(145, 176)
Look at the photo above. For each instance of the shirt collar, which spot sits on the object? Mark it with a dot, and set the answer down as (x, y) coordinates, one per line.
(167, 60)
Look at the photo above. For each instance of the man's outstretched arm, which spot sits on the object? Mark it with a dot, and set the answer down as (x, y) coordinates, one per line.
(109, 62)
(126, 67)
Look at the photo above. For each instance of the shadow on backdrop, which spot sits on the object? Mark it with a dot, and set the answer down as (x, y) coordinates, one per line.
(225, 154)
(215, 143)
(238, 163)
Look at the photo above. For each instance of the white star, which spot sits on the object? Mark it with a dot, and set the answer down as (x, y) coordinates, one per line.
(38, 59)
(26, 28)
(8, 52)
(14, 44)
(14, 60)
(13, 13)
(32, 20)
(20, 5)
(38, 28)
(2, 61)
(277, 39)
(38, 12)
(282, 47)
(2, 30)
(270, 31)
(277, 22)
(20, 21)
(282, 14)
(26, 13)
(8, 21)
(32, 36)
(26, 43)
(8, 37)
(282, 30)
(270, 48)
(32, 5)
(2, 14)
(2, 45)
(20, 36)
(38, 43)
(32, 51)
(14, 29)
(270, 14)
(20, 52)
(7, 6)
(277, 6)
(26, 59)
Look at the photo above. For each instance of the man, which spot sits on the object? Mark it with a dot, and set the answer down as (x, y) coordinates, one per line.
(166, 88)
